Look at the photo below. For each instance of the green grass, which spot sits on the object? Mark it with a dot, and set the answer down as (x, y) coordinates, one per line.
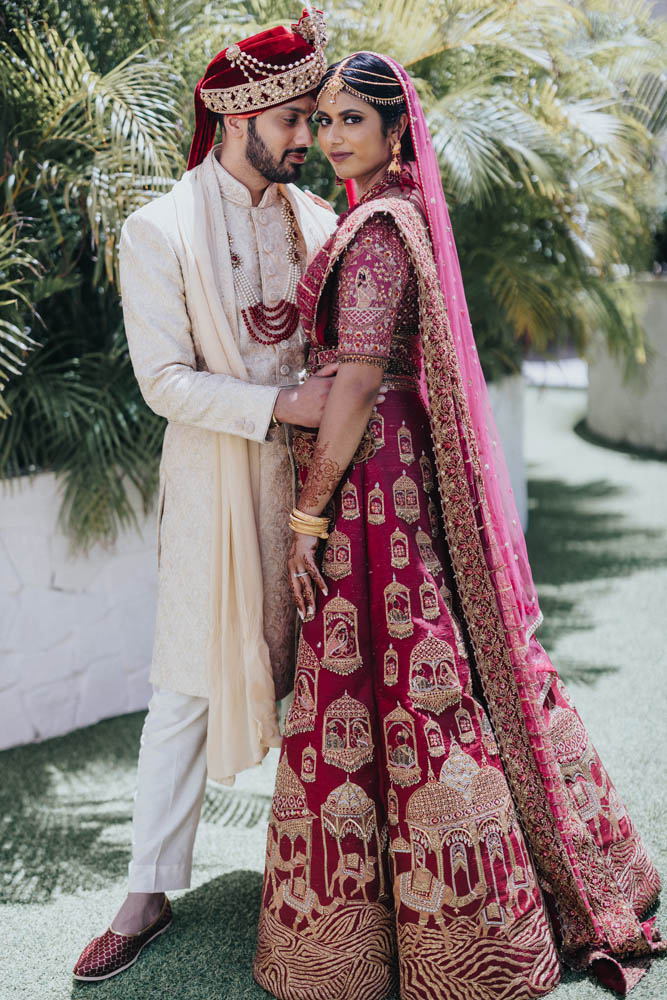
(598, 542)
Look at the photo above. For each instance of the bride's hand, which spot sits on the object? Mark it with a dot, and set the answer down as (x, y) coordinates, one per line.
(303, 572)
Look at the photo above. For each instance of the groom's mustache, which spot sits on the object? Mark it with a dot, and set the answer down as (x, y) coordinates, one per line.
(301, 150)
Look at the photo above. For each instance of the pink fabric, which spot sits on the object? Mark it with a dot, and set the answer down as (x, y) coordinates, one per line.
(596, 911)
(508, 544)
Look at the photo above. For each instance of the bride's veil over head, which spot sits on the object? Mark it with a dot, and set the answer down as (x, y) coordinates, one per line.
(506, 540)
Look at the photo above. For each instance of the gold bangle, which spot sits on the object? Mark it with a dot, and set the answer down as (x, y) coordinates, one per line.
(314, 519)
(309, 524)
(300, 529)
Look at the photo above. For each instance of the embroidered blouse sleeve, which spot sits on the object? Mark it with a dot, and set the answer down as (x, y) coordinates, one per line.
(372, 279)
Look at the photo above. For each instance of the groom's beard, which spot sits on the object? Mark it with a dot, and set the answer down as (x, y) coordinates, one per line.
(260, 157)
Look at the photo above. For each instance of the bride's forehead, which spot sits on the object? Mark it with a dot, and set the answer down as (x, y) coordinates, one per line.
(343, 103)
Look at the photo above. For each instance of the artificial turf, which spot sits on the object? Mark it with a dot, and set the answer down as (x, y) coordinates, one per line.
(598, 544)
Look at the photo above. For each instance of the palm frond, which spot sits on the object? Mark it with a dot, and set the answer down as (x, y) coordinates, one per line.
(16, 265)
(112, 140)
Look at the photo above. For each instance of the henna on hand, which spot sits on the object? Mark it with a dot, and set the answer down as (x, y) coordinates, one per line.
(324, 475)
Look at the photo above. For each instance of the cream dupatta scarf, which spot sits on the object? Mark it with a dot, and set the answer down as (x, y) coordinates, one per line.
(243, 721)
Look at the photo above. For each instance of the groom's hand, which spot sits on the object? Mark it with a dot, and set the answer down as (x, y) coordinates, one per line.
(304, 404)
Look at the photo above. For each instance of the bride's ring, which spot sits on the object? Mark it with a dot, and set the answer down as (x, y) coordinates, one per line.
(306, 573)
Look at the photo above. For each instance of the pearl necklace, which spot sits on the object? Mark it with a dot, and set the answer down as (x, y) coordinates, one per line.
(270, 324)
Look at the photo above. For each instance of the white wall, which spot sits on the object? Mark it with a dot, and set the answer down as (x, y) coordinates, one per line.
(75, 634)
(634, 412)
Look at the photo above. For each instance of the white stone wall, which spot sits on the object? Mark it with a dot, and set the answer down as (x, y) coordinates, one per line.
(75, 633)
(633, 411)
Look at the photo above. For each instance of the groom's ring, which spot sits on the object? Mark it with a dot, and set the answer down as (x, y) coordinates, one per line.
(306, 573)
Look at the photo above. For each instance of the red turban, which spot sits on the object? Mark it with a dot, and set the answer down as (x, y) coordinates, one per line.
(258, 73)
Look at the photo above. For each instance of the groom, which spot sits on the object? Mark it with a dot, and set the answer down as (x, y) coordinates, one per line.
(208, 275)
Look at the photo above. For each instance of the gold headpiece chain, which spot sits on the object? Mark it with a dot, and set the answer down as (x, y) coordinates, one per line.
(337, 83)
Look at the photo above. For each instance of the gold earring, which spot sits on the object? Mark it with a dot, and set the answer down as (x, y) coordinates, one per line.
(394, 167)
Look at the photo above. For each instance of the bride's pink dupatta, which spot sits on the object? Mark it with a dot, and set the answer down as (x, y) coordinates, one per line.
(598, 922)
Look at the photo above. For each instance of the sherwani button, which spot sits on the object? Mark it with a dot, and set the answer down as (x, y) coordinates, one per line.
(284, 369)
(250, 426)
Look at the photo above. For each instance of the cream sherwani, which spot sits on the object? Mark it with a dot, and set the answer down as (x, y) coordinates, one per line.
(160, 311)
(172, 374)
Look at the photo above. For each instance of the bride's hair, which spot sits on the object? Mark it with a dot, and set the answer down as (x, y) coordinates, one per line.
(367, 76)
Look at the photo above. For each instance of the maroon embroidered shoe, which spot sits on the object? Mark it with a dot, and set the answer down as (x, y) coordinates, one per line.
(110, 953)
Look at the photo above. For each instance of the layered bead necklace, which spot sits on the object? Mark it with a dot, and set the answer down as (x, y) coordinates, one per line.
(270, 324)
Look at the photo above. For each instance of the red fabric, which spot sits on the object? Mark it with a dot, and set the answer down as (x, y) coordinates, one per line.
(277, 46)
(388, 738)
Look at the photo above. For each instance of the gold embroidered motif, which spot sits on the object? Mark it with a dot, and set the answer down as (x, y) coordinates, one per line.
(427, 472)
(401, 747)
(405, 452)
(428, 597)
(392, 807)
(406, 498)
(303, 710)
(376, 429)
(390, 666)
(428, 556)
(341, 640)
(290, 818)
(349, 501)
(366, 288)
(435, 741)
(399, 549)
(464, 725)
(349, 811)
(434, 682)
(346, 738)
(337, 561)
(398, 613)
(375, 504)
(488, 739)
(309, 764)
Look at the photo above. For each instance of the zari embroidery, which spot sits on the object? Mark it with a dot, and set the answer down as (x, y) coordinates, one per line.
(337, 561)
(376, 429)
(398, 544)
(429, 558)
(341, 641)
(405, 451)
(390, 666)
(303, 710)
(346, 739)
(427, 473)
(406, 498)
(401, 748)
(349, 502)
(309, 764)
(434, 681)
(428, 598)
(435, 741)
(398, 612)
(375, 505)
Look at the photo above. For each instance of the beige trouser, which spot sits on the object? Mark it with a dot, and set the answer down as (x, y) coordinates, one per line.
(171, 779)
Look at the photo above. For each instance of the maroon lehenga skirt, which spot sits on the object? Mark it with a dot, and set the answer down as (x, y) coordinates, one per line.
(393, 840)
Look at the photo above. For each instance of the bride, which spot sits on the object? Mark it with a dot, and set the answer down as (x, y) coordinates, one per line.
(441, 802)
